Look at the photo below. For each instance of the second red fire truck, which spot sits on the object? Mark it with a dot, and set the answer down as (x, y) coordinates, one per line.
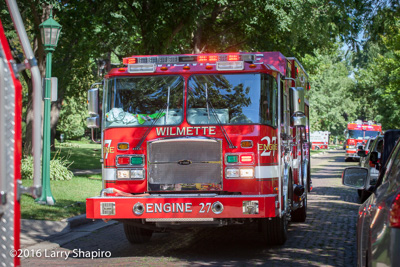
(357, 134)
(203, 140)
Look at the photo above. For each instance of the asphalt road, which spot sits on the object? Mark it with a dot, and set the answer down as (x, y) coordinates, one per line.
(326, 238)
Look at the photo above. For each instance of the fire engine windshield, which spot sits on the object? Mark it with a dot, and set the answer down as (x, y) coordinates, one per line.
(369, 134)
(355, 134)
(136, 101)
(236, 99)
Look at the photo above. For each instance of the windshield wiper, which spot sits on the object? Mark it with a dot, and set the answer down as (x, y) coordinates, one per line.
(214, 113)
(159, 115)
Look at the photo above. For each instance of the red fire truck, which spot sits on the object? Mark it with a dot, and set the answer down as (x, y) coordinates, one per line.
(357, 134)
(11, 140)
(203, 139)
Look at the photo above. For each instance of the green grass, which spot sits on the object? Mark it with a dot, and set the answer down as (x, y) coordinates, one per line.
(83, 155)
(70, 198)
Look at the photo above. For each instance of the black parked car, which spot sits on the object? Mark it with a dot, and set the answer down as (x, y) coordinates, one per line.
(379, 158)
(378, 225)
(365, 162)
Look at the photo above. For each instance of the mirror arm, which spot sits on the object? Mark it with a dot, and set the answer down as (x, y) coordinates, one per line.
(93, 139)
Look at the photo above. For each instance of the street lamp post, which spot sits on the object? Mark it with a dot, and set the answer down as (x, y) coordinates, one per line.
(50, 31)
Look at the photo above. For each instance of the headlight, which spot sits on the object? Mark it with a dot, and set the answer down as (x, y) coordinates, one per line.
(123, 174)
(247, 173)
(137, 174)
(351, 147)
(130, 174)
(232, 173)
(239, 172)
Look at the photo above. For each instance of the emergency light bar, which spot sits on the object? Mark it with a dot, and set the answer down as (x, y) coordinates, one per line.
(187, 59)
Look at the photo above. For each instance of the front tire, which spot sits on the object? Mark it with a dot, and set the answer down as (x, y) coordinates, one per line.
(300, 214)
(137, 235)
(274, 230)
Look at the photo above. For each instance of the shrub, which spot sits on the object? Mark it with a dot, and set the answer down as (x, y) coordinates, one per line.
(58, 168)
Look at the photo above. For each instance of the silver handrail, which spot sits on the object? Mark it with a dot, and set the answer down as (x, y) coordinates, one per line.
(3, 184)
(31, 64)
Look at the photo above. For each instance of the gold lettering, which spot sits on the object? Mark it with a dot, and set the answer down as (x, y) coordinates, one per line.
(181, 131)
(211, 130)
(108, 149)
(261, 147)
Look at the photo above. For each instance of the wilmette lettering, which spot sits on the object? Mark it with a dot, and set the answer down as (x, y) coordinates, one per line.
(180, 131)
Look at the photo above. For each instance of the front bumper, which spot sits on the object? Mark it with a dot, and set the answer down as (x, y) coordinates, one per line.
(200, 206)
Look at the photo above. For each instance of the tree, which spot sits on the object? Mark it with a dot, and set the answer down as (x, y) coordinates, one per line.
(332, 104)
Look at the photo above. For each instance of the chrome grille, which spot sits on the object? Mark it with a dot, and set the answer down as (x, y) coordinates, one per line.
(184, 161)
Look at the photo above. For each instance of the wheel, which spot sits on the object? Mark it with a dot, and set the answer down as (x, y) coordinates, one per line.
(300, 214)
(137, 235)
(317, 148)
(274, 230)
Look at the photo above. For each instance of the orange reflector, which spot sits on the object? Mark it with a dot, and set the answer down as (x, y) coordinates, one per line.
(213, 58)
(299, 101)
(186, 68)
(252, 66)
(122, 69)
(123, 160)
(246, 144)
(233, 57)
(202, 58)
(163, 68)
(209, 67)
(123, 146)
(246, 158)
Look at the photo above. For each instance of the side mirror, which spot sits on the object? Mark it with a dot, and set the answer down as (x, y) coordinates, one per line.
(355, 177)
(297, 99)
(374, 157)
(93, 107)
(361, 153)
(93, 101)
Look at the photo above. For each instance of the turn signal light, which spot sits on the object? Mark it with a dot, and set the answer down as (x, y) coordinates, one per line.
(246, 144)
(123, 146)
(123, 160)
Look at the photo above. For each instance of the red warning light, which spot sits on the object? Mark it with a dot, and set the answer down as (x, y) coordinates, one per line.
(233, 57)
(213, 58)
(202, 58)
(129, 60)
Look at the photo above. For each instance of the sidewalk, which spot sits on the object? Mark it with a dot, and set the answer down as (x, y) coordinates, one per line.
(42, 234)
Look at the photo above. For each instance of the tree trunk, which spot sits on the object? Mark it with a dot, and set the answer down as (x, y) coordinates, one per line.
(55, 115)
